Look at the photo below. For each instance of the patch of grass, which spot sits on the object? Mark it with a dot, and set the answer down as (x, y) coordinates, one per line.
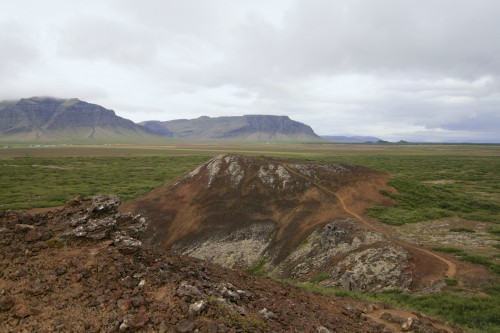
(51, 181)
(475, 312)
(417, 202)
(451, 282)
(478, 313)
(495, 230)
(472, 258)
(398, 216)
(245, 324)
(462, 229)
(471, 191)
(476, 259)
(319, 277)
(447, 249)
(304, 242)
(55, 243)
(259, 268)
(493, 290)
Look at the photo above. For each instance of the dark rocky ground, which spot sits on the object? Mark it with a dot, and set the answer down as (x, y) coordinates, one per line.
(83, 268)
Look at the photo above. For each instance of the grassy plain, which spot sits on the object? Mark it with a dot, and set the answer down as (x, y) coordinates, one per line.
(430, 181)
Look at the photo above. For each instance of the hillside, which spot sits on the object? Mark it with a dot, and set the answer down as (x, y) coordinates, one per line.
(40, 119)
(247, 128)
(83, 268)
(291, 220)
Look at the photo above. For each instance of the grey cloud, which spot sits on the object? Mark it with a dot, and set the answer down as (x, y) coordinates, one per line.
(18, 47)
(96, 38)
(322, 37)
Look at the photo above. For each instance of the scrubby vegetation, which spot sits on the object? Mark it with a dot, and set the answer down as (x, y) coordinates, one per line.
(319, 277)
(472, 258)
(478, 313)
(432, 187)
(259, 268)
(51, 181)
(462, 229)
(451, 282)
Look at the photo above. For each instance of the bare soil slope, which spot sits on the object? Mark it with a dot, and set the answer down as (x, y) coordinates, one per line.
(232, 191)
(83, 269)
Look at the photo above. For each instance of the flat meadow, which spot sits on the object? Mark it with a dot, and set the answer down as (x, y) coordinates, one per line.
(431, 183)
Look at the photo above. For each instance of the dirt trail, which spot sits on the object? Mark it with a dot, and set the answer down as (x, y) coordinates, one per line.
(452, 267)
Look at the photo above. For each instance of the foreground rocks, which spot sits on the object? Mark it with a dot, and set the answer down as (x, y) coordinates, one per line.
(84, 268)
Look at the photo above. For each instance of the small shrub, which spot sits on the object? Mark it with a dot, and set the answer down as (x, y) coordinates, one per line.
(259, 268)
(447, 249)
(319, 277)
(451, 282)
(475, 259)
(247, 324)
(493, 290)
(495, 230)
(304, 242)
(55, 243)
(389, 194)
(462, 229)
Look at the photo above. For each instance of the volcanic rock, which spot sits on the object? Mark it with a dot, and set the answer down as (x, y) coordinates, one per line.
(108, 294)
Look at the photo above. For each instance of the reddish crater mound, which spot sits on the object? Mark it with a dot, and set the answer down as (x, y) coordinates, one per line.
(232, 192)
(294, 219)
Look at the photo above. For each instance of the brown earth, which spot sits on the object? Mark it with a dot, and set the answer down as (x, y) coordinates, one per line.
(83, 269)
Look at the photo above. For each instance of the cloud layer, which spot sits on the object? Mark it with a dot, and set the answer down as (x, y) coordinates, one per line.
(413, 70)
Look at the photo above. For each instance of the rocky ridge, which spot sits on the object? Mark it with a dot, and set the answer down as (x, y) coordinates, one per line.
(85, 268)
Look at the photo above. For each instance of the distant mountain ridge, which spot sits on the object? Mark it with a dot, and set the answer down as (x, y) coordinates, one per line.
(247, 127)
(47, 118)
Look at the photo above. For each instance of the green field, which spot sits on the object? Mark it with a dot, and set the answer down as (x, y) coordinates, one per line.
(431, 182)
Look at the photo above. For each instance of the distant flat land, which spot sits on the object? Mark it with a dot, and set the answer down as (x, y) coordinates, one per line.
(7, 152)
(433, 181)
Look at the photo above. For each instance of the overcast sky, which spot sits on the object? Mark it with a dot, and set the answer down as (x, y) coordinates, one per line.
(422, 70)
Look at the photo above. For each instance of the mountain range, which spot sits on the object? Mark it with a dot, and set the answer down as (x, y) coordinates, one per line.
(47, 119)
(247, 127)
(53, 119)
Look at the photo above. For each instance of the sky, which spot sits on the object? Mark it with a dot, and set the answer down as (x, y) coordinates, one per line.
(415, 70)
